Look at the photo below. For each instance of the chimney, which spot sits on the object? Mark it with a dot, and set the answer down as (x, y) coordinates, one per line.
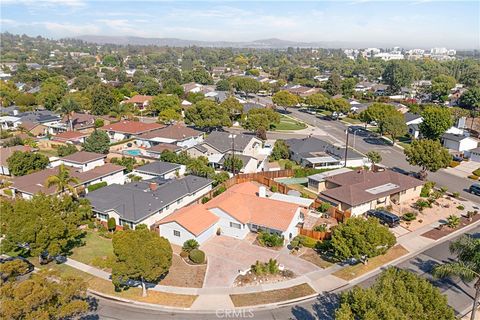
(153, 186)
(262, 192)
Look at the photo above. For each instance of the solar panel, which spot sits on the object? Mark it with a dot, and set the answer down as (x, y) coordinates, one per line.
(383, 188)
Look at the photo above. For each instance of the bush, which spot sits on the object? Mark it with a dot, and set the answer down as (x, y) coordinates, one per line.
(303, 241)
(220, 190)
(274, 188)
(453, 221)
(427, 187)
(205, 199)
(324, 206)
(8, 192)
(409, 216)
(267, 239)
(477, 172)
(190, 245)
(456, 194)
(184, 254)
(460, 207)
(288, 165)
(111, 224)
(96, 186)
(65, 150)
(473, 177)
(320, 228)
(270, 267)
(422, 204)
(197, 256)
(453, 164)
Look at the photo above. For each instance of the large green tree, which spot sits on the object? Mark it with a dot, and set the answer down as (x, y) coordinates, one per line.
(316, 100)
(264, 118)
(436, 120)
(208, 114)
(359, 237)
(22, 163)
(103, 99)
(280, 150)
(399, 73)
(44, 295)
(393, 124)
(396, 294)
(441, 86)
(163, 102)
(466, 266)
(471, 99)
(98, 141)
(233, 164)
(140, 255)
(43, 223)
(334, 84)
(429, 155)
(285, 99)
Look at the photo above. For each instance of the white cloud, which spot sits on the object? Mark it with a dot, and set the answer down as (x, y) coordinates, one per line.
(70, 29)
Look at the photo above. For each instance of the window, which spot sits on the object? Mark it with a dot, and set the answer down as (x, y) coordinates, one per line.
(126, 223)
(176, 233)
(235, 225)
(102, 216)
(179, 200)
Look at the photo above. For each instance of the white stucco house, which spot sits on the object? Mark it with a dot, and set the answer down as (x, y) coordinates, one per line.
(459, 142)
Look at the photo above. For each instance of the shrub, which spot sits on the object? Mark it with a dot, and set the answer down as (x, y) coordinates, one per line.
(461, 207)
(473, 177)
(443, 190)
(267, 239)
(274, 188)
(65, 150)
(184, 254)
(470, 214)
(197, 256)
(422, 204)
(453, 221)
(205, 199)
(190, 245)
(303, 241)
(111, 224)
(96, 186)
(453, 164)
(456, 194)
(477, 172)
(260, 268)
(427, 187)
(409, 216)
(320, 228)
(220, 190)
(8, 192)
(288, 165)
(324, 206)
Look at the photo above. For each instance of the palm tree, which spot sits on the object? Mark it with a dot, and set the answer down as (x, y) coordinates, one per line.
(63, 181)
(121, 111)
(467, 266)
(374, 157)
(67, 107)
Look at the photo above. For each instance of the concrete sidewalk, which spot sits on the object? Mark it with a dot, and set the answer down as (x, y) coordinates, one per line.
(321, 281)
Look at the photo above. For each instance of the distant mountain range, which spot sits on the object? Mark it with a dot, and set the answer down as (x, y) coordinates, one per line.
(265, 43)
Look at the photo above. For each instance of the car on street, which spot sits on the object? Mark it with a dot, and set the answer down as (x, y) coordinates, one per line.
(474, 189)
(385, 217)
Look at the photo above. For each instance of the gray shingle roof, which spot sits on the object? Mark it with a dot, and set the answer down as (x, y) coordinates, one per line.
(135, 201)
(306, 146)
(411, 116)
(222, 141)
(158, 168)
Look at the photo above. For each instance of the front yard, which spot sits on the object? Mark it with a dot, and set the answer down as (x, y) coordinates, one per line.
(251, 299)
(289, 124)
(95, 250)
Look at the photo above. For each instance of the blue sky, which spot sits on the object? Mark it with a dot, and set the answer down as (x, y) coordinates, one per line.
(421, 23)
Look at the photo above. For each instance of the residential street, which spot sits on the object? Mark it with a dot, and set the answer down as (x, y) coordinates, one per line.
(393, 157)
(460, 296)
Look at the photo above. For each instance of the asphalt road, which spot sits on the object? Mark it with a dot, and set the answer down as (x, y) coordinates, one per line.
(392, 157)
(459, 294)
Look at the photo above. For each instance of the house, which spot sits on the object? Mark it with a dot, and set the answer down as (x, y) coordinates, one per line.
(316, 182)
(128, 129)
(81, 160)
(475, 154)
(413, 121)
(31, 184)
(219, 145)
(459, 142)
(359, 191)
(192, 87)
(235, 213)
(148, 201)
(217, 96)
(6, 153)
(175, 134)
(49, 121)
(156, 150)
(139, 101)
(301, 91)
(315, 153)
(10, 122)
(79, 121)
(74, 137)
(160, 169)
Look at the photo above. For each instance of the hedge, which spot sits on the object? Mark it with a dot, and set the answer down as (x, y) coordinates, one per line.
(473, 177)
(453, 164)
(96, 186)
(477, 172)
(197, 256)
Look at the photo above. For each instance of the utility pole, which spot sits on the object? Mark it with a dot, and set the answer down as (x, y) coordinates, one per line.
(346, 151)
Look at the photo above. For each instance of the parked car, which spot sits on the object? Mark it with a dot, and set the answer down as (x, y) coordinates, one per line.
(457, 158)
(385, 217)
(475, 189)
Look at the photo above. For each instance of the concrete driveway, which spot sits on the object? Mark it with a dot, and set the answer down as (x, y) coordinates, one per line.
(464, 169)
(227, 256)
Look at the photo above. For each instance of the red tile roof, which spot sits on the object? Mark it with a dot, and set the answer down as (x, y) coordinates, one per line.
(131, 127)
(70, 135)
(175, 132)
(139, 99)
(195, 218)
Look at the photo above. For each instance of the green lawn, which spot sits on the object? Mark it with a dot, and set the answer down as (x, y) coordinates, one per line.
(48, 152)
(95, 247)
(351, 120)
(287, 123)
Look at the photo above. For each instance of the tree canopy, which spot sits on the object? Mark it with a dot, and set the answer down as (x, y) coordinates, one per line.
(135, 259)
(98, 141)
(22, 163)
(285, 99)
(436, 120)
(398, 74)
(208, 114)
(427, 154)
(396, 294)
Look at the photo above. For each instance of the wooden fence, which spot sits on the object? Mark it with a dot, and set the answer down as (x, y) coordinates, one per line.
(317, 235)
(341, 216)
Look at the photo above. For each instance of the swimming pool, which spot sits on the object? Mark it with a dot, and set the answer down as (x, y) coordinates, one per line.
(132, 152)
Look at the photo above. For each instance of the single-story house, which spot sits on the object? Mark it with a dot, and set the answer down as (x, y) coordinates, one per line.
(10, 122)
(74, 137)
(359, 191)
(177, 134)
(6, 153)
(413, 121)
(459, 142)
(315, 153)
(160, 169)
(82, 160)
(128, 129)
(79, 121)
(148, 201)
(139, 101)
(316, 182)
(236, 212)
(156, 150)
